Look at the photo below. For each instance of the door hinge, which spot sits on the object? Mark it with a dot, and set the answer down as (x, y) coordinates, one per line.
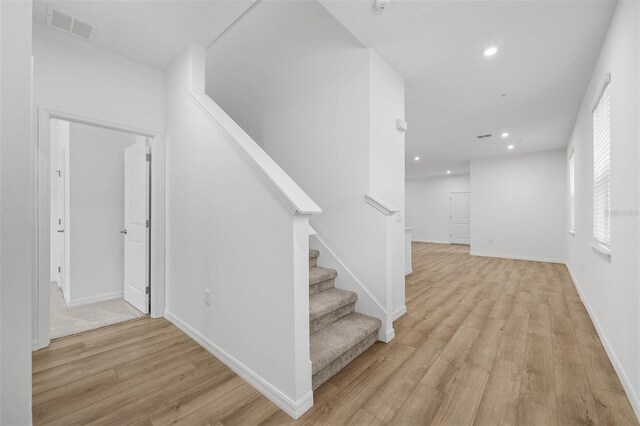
(147, 290)
(148, 157)
(148, 223)
(59, 269)
(59, 172)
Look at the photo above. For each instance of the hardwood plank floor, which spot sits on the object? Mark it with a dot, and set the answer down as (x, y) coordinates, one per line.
(485, 341)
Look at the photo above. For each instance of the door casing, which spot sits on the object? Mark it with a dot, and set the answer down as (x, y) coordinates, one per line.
(41, 314)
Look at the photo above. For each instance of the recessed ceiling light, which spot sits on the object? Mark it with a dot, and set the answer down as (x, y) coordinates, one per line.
(416, 158)
(448, 172)
(510, 147)
(490, 51)
(505, 134)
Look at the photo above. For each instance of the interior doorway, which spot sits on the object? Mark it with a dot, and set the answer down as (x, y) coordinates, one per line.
(100, 223)
(460, 218)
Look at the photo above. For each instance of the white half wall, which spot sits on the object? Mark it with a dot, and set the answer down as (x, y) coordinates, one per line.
(518, 206)
(229, 233)
(17, 221)
(386, 170)
(610, 288)
(428, 206)
(96, 203)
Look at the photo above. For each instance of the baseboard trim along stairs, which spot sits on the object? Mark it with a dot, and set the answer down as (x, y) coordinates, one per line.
(338, 334)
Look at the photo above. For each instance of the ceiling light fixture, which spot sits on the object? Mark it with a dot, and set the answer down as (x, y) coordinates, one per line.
(490, 51)
(505, 134)
(416, 158)
(510, 147)
(448, 172)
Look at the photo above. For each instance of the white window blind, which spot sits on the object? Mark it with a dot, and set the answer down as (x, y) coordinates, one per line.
(602, 168)
(572, 193)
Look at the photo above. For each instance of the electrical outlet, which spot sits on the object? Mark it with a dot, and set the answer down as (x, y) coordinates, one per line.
(207, 297)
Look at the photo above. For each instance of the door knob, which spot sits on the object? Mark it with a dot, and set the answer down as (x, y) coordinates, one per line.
(60, 230)
(124, 231)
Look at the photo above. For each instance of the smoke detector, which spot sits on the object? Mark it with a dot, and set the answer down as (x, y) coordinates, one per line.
(381, 5)
(69, 24)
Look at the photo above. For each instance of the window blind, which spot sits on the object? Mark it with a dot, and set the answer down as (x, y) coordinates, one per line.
(572, 193)
(602, 167)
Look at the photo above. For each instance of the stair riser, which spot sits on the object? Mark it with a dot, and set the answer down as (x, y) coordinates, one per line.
(328, 319)
(313, 262)
(321, 286)
(333, 368)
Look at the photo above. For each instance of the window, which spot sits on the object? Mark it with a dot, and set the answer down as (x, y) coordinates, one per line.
(572, 192)
(602, 169)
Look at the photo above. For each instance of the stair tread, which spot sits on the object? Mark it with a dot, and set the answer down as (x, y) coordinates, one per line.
(313, 253)
(328, 301)
(318, 274)
(333, 341)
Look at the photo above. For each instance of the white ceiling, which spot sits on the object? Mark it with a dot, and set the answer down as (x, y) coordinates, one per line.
(547, 54)
(150, 32)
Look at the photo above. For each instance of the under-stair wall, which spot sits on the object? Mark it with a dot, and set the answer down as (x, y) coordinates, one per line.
(237, 277)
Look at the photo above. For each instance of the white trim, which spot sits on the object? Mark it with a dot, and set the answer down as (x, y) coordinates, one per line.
(379, 204)
(399, 312)
(516, 257)
(293, 408)
(42, 282)
(96, 299)
(626, 383)
(606, 79)
(408, 271)
(604, 250)
(431, 242)
(294, 199)
(572, 232)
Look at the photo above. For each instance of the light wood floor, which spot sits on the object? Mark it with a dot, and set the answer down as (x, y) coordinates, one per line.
(485, 341)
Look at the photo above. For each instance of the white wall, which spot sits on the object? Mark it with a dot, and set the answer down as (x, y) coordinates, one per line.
(228, 232)
(305, 89)
(96, 201)
(428, 206)
(518, 206)
(386, 156)
(610, 288)
(75, 77)
(17, 221)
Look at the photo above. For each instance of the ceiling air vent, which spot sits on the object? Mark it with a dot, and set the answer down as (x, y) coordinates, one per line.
(69, 24)
(484, 136)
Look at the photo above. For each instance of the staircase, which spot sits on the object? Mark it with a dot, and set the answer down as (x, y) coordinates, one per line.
(338, 334)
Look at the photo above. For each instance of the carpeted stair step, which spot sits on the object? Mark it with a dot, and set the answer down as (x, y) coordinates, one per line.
(321, 279)
(313, 257)
(337, 345)
(329, 306)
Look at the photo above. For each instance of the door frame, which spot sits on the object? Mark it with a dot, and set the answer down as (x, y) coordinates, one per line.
(451, 194)
(41, 314)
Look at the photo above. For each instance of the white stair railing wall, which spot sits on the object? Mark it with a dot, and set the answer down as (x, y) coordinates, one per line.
(238, 228)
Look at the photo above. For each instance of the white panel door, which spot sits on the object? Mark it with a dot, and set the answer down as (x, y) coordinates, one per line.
(136, 232)
(460, 218)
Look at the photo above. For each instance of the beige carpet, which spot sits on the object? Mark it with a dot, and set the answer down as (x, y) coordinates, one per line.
(66, 321)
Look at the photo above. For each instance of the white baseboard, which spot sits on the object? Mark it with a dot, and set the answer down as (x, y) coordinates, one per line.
(430, 241)
(387, 336)
(293, 408)
(399, 312)
(516, 257)
(408, 271)
(617, 366)
(96, 299)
